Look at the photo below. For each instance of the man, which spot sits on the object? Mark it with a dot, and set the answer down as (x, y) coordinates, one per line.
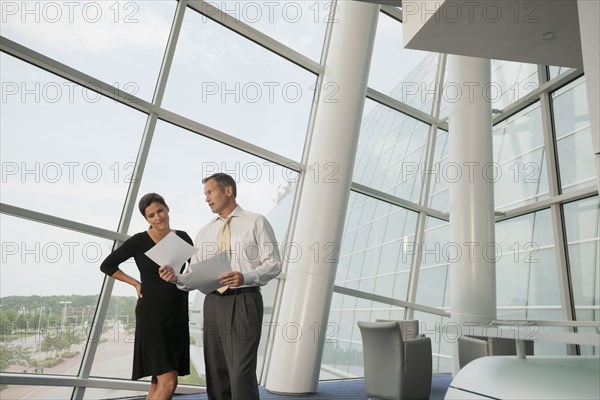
(233, 314)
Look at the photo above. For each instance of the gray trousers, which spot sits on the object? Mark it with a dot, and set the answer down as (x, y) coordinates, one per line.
(232, 328)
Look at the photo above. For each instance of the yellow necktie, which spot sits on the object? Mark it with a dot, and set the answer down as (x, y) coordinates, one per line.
(225, 244)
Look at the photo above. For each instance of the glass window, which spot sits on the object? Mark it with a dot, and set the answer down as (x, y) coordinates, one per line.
(527, 274)
(391, 153)
(297, 24)
(390, 68)
(50, 282)
(114, 355)
(556, 71)
(354, 210)
(520, 175)
(45, 392)
(236, 86)
(61, 154)
(512, 81)
(574, 136)
(121, 43)
(449, 91)
(342, 353)
(583, 235)
(368, 212)
(376, 256)
(433, 287)
(336, 354)
(526, 269)
(262, 186)
(372, 259)
(417, 87)
(439, 191)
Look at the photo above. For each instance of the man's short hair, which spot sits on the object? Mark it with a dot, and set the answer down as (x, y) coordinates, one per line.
(223, 180)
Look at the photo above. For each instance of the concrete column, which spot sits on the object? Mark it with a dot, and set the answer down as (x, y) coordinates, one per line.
(473, 275)
(302, 323)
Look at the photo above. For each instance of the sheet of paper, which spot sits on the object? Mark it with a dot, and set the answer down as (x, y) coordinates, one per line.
(171, 250)
(204, 275)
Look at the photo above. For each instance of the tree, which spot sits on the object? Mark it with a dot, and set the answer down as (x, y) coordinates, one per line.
(10, 355)
(8, 318)
(56, 344)
(21, 322)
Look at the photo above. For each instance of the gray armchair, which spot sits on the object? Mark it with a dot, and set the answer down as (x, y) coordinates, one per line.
(409, 327)
(395, 367)
(472, 347)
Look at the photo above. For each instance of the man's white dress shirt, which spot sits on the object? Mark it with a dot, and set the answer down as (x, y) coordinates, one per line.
(254, 249)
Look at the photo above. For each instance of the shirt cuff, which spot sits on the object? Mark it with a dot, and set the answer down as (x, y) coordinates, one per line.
(180, 286)
(250, 278)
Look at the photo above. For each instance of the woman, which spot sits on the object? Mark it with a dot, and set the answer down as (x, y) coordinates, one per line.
(162, 338)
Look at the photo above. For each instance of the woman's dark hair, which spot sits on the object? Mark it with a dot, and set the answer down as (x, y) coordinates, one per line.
(148, 199)
(223, 180)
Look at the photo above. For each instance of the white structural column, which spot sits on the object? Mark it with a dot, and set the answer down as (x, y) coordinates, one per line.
(589, 27)
(302, 322)
(473, 276)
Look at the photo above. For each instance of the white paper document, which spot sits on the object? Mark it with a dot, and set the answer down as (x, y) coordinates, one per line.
(204, 275)
(171, 250)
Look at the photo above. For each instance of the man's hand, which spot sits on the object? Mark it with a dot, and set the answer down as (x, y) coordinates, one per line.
(232, 279)
(167, 273)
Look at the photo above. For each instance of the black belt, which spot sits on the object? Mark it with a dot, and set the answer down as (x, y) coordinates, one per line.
(234, 291)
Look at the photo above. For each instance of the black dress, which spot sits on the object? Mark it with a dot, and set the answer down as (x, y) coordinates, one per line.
(162, 337)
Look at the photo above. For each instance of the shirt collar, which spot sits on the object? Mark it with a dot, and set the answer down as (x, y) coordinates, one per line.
(238, 211)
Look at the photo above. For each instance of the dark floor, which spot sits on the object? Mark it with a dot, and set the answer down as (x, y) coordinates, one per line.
(346, 389)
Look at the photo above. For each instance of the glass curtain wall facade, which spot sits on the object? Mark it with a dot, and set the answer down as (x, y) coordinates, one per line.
(395, 242)
(105, 101)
